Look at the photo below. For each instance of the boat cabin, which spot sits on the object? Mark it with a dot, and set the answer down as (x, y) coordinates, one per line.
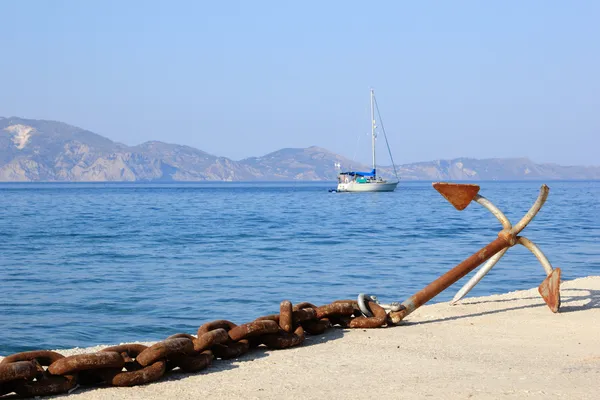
(356, 176)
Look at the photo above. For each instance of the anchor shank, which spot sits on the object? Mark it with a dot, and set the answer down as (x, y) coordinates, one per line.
(450, 277)
(478, 276)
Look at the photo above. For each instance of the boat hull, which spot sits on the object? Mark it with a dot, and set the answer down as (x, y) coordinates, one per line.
(367, 187)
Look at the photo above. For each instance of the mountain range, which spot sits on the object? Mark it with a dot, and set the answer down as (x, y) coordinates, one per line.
(39, 150)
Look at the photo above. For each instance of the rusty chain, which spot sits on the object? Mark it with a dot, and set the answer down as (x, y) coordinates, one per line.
(43, 373)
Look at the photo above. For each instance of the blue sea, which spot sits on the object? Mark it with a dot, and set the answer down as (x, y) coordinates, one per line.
(89, 264)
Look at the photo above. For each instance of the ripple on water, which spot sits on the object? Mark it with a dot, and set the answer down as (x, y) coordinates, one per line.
(100, 264)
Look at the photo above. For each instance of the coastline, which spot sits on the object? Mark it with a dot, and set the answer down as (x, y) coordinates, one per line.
(499, 346)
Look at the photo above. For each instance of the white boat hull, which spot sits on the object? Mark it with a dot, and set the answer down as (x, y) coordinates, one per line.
(367, 187)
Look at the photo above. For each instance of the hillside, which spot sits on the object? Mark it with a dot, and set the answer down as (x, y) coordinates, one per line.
(38, 150)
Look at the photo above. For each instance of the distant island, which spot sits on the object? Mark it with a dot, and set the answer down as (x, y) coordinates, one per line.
(49, 151)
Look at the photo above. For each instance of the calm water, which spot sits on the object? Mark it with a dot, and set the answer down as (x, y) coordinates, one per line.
(87, 264)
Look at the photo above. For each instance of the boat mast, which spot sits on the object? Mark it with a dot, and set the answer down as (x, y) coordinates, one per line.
(373, 128)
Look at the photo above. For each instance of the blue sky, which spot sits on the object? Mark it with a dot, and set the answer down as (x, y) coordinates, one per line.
(243, 78)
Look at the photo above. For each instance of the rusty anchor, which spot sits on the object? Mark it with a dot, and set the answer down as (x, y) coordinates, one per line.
(460, 196)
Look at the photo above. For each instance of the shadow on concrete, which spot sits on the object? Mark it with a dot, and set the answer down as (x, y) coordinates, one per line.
(568, 299)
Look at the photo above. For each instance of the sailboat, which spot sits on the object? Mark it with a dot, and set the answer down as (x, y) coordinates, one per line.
(355, 181)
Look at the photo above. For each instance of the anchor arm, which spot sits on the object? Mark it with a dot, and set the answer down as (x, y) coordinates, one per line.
(539, 202)
(494, 210)
(537, 253)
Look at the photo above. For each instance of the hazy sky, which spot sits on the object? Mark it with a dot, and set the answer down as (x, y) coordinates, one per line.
(238, 79)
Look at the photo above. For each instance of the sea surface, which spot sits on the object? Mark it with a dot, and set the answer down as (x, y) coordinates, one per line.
(89, 264)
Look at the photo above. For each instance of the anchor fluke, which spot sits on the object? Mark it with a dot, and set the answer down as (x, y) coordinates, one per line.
(458, 194)
(550, 290)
